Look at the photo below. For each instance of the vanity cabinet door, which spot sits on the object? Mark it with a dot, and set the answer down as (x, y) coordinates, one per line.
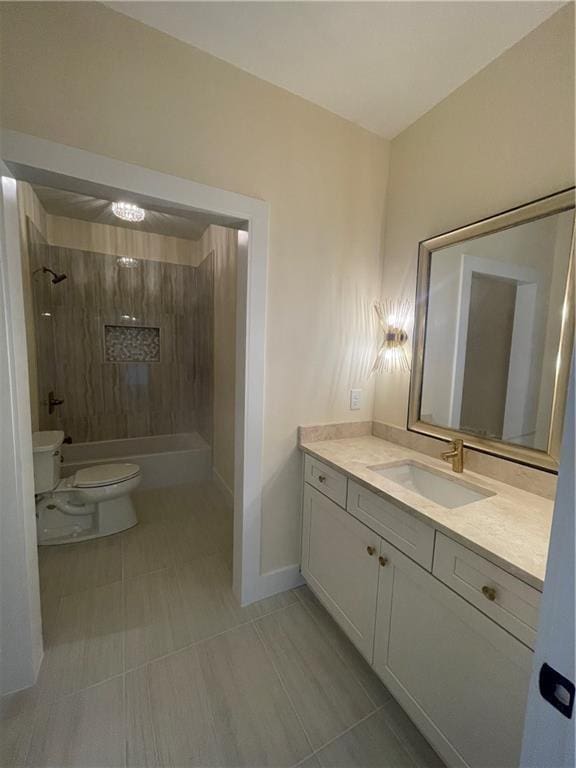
(340, 563)
(460, 677)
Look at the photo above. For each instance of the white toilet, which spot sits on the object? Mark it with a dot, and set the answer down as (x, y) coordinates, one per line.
(92, 502)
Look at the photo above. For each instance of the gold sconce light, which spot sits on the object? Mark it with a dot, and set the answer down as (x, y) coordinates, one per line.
(393, 318)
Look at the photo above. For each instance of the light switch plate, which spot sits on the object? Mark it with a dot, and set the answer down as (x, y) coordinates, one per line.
(355, 399)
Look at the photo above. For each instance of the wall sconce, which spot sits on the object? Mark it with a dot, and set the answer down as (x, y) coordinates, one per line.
(393, 318)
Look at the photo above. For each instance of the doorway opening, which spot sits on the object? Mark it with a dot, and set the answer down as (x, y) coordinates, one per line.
(243, 224)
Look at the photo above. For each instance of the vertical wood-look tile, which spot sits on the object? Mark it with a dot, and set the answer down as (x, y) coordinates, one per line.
(105, 401)
(204, 346)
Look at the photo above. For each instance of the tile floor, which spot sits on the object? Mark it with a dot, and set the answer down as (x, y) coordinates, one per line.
(149, 661)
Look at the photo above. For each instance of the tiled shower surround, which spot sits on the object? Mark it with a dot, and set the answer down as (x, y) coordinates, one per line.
(104, 400)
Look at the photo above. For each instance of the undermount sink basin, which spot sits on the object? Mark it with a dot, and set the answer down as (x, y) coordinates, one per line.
(432, 485)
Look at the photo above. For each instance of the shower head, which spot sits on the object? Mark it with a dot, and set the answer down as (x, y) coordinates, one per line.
(56, 278)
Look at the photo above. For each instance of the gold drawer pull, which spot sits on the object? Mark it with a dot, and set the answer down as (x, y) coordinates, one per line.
(321, 478)
(383, 561)
(489, 593)
(371, 550)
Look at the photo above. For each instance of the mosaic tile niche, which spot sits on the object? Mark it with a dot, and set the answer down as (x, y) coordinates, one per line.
(131, 344)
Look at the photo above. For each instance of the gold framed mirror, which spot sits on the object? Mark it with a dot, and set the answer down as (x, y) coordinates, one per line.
(494, 332)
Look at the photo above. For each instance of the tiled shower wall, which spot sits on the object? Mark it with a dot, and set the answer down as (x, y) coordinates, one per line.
(204, 347)
(105, 400)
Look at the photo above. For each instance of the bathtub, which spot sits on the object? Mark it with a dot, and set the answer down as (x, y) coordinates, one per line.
(163, 459)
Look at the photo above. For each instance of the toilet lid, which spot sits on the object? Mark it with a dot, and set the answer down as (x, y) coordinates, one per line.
(104, 474)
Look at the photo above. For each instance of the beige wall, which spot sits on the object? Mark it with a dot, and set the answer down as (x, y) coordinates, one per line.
(84, 76)
(222, 243)
(503, 139)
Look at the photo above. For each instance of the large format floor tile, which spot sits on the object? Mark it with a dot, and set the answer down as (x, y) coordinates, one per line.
(386, 739)
(86, 646)
(170, 609)
(371, 744)
(323, 689)
(412, 740)
(17, 714)
(146, 547)
(156, 622)
(150, 660)
(219, 703)
(72, 568)
(176, 525)
(84, 730)
(364, 673)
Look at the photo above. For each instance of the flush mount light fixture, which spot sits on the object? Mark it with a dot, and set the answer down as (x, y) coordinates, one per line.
(128, 212)
(393, 318)
(128, 262)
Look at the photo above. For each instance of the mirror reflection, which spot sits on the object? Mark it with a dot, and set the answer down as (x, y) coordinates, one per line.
(493, 328)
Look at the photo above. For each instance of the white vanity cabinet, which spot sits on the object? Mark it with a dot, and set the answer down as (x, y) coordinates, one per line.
(340, 563)
(450, 655)
(462, 678)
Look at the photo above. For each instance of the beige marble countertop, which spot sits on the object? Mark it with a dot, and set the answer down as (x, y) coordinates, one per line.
(510, 528)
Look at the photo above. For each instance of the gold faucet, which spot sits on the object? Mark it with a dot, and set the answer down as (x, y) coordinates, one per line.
(455, 455)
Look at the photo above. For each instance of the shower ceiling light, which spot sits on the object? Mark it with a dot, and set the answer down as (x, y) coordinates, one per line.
(128, 212)
(128, 262)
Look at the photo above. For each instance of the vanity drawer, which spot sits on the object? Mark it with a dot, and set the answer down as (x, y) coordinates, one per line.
(400, 528)
(327, 480)
(508, 601)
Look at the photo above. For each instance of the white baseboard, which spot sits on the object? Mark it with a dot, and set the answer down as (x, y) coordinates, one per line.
(227, 492)
(273, 582)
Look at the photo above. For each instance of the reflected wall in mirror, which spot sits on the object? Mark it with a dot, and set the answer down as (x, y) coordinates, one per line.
(494, 331)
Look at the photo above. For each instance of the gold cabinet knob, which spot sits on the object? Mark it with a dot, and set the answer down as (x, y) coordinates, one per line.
(321, 478)
(383, 561)
(371, 550)
(489, 593)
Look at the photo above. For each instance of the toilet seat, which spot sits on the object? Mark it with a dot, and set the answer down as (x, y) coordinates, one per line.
(104, 474)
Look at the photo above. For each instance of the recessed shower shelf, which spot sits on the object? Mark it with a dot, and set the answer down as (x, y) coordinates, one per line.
(131, 344)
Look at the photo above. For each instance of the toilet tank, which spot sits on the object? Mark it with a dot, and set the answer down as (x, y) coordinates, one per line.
(46, 447)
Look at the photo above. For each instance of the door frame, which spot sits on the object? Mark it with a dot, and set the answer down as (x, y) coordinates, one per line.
(528, 281)
(20, 618)
(27, 156)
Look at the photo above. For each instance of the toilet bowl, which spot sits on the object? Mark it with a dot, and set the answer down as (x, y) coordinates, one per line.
(93, 502)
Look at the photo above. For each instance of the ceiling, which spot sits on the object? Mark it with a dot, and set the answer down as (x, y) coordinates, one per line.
(379, 64)
(161, 219)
